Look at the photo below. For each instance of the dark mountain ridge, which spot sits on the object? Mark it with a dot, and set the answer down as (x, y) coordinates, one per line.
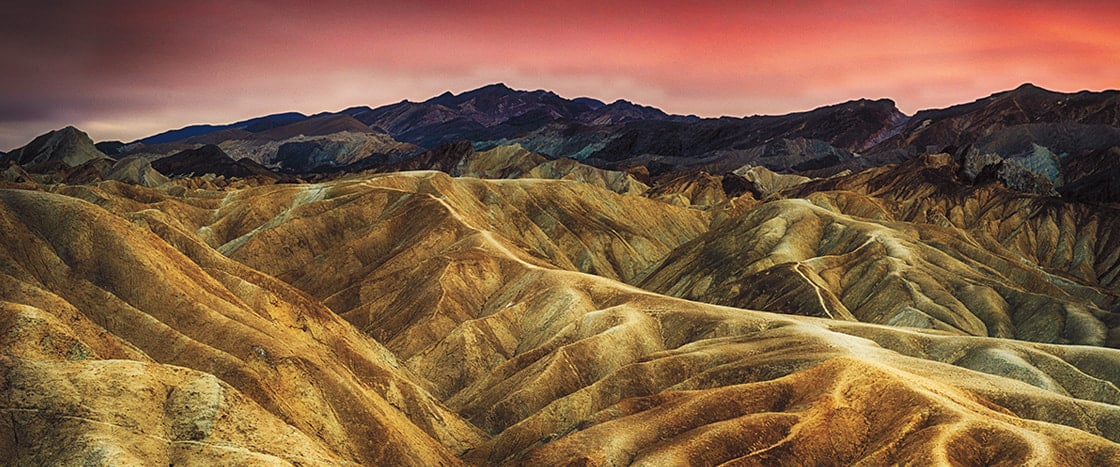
(986, 120)
(1061, 138)
(496, 111)
(251, 125)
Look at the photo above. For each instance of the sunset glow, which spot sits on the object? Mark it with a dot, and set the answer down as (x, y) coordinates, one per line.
(126, 69)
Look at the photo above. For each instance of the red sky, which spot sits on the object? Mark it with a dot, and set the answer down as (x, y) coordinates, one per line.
(127, 69)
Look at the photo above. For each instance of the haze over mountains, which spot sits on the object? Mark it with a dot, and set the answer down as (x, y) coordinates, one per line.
(513, 277)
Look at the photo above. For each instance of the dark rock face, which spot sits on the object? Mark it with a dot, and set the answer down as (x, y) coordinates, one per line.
(300, 156)
(974, 164)
(1093, 178)
(735, 185)
(112, 148)
(88, 172)
(443, 158)
(981, 168)
(209, 159)
(1016, 177)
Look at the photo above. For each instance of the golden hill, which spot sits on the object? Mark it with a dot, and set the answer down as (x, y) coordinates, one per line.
(416, 318)
(909, 246)
(101, 314)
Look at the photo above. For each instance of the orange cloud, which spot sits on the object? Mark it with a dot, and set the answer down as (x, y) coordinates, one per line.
(122, 63)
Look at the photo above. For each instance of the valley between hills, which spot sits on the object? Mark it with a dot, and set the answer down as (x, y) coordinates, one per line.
(508, 277)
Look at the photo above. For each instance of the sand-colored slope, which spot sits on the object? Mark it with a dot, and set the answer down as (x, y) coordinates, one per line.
(407, 258)
(570, 225)
(1069, 238)
(913, 247)
(841, 412)
(513, 161)
(474, 288)
(803, 256)
(529, 351)
(568, 169)
(575, 345)
(120, 291)
(125, 412)
(698, 189)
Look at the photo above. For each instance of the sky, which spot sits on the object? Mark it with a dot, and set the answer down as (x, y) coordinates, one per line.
(127, 69)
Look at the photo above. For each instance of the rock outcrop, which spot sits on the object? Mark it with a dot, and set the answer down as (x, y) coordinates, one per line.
(69, 146)
(763, 182)
(135, 170)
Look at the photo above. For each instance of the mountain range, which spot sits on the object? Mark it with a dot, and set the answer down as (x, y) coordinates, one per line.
(507, 277)
(1035, 139)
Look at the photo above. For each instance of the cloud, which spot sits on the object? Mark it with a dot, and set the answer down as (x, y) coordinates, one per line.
(129, 66)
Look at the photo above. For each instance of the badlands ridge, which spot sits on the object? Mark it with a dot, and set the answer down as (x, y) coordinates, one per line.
(512, 278)
(419, 318)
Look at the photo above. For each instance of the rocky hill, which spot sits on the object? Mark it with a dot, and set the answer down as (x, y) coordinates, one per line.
(678, 299)
(912, 246)
(69, 146)
(418, 318)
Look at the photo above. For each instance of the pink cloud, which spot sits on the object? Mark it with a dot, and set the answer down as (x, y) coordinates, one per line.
(119, 63)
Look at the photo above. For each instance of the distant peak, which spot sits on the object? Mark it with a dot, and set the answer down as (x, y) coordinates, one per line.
(1027, 88)
(450, 98)
(212, 148)
(68, 133)
(496, 86)
(865, 101)
(884, 103)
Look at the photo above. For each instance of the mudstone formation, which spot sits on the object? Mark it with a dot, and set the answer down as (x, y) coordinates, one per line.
(510, 277)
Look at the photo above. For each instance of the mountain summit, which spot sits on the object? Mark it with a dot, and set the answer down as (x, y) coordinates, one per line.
(69, 146)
